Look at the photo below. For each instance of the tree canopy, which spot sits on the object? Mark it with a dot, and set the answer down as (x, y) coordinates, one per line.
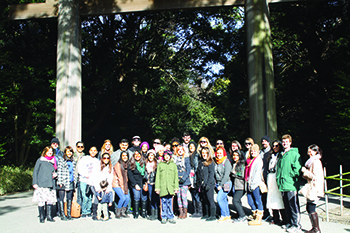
(158, 74)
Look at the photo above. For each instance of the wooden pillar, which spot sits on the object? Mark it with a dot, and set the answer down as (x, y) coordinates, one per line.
(69, 84)
(262, 108)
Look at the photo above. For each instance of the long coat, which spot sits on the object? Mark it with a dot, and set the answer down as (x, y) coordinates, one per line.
(167, 181)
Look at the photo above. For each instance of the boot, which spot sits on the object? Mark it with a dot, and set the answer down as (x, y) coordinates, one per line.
(94, 212)
(123, 213)
(181, 210)
(57, 210)
(258, 219)
(155, 215)
(63, 216)
(199, 212)
(205, 213)
(184, 213)
(136, 209)
(212, 216)
(314, 222)
(41, 213)
(118, 213)
(144, 209)
(69, 209)
(253, 216)
(49, 213)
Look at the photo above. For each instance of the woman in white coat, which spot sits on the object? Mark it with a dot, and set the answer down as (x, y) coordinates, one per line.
(313, 173)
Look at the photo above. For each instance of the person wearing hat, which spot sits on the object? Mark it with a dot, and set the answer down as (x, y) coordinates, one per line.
(136, 141)
(55, 143)
(264, 153)
(166, 185)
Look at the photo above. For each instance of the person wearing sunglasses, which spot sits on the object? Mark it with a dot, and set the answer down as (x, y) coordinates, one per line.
(103, 172)
(79, 151)
(156, 142)
(248, 143)
(204, 142)
(219, 143)
(274, 197)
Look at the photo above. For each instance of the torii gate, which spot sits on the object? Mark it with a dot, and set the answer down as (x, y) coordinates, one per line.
(69, 80)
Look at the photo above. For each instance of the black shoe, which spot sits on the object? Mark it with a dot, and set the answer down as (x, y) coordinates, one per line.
(136, 209)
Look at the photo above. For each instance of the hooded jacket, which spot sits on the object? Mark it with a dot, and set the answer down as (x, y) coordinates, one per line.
(288, 170)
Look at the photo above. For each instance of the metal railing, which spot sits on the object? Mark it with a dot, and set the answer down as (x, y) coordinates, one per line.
(340, 188)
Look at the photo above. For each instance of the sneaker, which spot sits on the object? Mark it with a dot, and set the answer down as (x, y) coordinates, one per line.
(163, 221)
(241, 220)
(286, 226)
(224, 218)
(294, 229)
(172, 221)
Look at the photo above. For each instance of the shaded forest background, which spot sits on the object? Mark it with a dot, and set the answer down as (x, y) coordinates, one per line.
(161, 73)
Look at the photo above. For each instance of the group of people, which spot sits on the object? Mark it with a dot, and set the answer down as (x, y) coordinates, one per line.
(145, 181)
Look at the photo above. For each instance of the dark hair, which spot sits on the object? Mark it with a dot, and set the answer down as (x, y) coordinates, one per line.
(121, 161)
(316, 148)
(65, 157)
(175, 140)
(79, 142)
(241, 160)
(124, 140)
(272, 152)
(109, 162)
(186, 134)
(104, 184)
(132, 161)
(154, 159)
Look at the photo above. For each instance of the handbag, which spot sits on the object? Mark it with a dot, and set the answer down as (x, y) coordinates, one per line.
(262, 185)
(309, 190)
(75, 209)
(226, 187)
(145, 187)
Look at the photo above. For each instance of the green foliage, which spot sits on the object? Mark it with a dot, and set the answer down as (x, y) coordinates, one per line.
(14, 179)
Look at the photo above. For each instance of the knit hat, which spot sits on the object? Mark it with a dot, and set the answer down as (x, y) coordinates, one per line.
(143, 143)
(136, 137)
(151, 151)
(55, 140)
(267, 138)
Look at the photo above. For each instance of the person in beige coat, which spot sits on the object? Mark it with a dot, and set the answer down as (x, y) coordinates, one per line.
(313, 173)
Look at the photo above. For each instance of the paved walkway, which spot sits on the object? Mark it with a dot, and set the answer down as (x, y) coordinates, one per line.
(19, 214)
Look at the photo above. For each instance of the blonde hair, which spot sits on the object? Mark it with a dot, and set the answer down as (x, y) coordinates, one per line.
(208, 145)
(255, 147)
(103, 148)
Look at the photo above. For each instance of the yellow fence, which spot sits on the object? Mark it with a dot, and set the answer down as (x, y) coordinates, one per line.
(340, 178)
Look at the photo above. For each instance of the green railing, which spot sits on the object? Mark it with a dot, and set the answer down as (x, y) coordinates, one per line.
(340, 178)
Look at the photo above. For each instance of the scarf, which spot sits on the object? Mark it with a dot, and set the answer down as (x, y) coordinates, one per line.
(180, 163)
(150, 167)
(220, 161)
(248, 168)
(140, 169)
(52, 159)
(311, 160)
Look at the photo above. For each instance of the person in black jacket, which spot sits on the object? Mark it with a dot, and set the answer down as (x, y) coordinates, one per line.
(136, 173)
(44, 183)
(206, 177)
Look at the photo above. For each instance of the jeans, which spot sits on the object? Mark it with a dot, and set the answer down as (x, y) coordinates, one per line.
(87, 200)
(153, 197)
(254, 199)
(238, 203)
(139, 195)
(195, 196)
(123, 198)
(223, 202)
(167, 207)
